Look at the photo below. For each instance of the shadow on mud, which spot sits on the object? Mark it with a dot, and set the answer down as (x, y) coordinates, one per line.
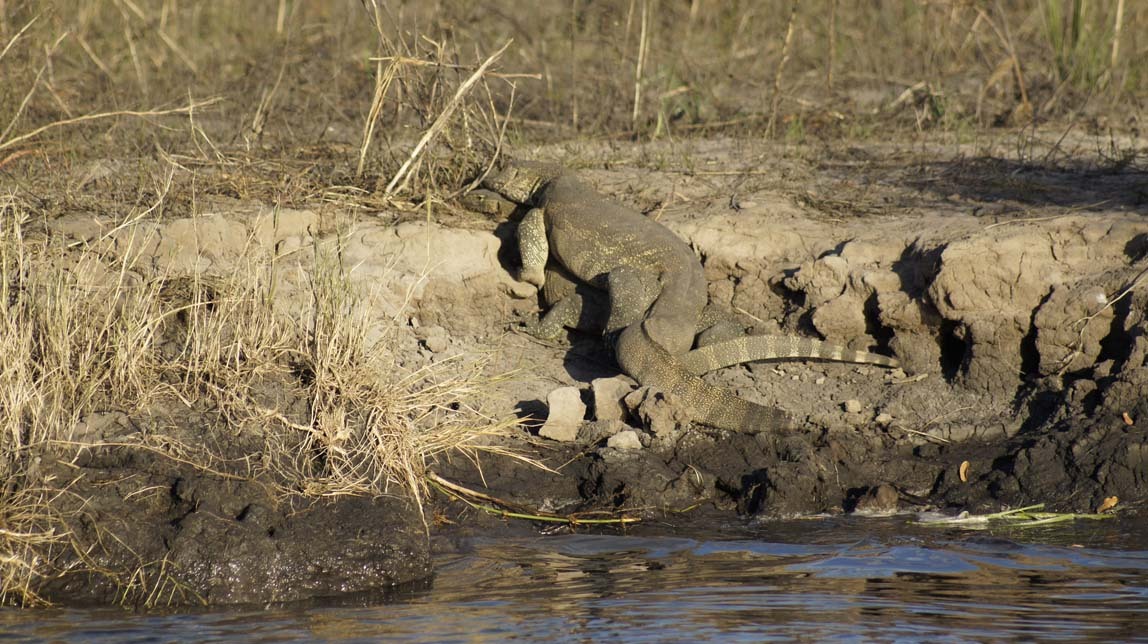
(1083, 184)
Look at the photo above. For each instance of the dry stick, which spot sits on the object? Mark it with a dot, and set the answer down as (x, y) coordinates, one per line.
(1085, 321)
(103, 115)
(781, 66)
(832, 45)
(1116, 35)
(17, 36)
(383, 80)
(281, 17)
(643, 45)
(32, 90)
(167, 40)
(497, 143)
(443, 118)
(516, 511)
(573, 65)
(1006, 40)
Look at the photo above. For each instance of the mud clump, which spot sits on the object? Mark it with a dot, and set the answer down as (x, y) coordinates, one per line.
(187, 537)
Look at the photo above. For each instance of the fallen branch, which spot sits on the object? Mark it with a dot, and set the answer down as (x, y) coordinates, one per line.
(486, 503)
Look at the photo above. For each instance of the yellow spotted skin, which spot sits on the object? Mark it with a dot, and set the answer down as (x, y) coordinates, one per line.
(604, 267)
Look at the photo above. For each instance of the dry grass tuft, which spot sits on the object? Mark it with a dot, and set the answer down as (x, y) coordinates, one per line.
(453, 103)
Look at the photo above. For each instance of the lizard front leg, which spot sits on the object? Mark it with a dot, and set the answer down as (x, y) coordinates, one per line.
(563, 314)
(533, 247)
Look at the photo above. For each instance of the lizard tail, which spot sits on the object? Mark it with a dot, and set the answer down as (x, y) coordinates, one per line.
(752, 348)
(650, 364)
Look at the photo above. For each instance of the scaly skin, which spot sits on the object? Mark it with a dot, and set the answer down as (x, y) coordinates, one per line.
(580, 306)
(654, 283)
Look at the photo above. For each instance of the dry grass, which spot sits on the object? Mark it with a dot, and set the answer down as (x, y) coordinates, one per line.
(298, 86)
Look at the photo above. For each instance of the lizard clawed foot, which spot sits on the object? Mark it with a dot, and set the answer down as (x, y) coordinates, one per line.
(535, 275)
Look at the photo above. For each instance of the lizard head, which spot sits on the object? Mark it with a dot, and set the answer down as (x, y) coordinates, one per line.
(520, 182)
(488, 202)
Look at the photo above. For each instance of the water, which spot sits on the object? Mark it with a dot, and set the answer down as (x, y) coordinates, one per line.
(840, 579)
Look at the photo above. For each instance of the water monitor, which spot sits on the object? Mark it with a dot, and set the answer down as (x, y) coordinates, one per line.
(580, 306)
(654, 285)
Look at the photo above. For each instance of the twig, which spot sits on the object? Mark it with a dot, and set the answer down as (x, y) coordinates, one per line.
(643, 46)
(471, 498)
(1019, 518)
(1006, 39)
(832, 45)
(1085, 321)
(1116, 29)
(776, 101)
(17, 36)
(31, 90)
(103, 115)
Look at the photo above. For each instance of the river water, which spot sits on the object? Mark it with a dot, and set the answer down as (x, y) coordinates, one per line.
(850, 579)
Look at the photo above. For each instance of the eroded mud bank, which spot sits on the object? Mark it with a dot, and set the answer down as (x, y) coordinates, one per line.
(1019, 320)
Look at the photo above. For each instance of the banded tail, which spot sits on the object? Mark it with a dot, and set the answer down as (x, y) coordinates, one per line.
(650, 364)
(752, 348)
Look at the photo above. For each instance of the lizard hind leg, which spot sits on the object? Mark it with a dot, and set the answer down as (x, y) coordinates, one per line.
(631, 292)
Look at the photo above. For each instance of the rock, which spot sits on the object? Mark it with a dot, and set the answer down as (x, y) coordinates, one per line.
(434, 337)
(658, 412)
(841, 318)
(608, 394)
(625, 440)
(566, 413)
(881, 499)
(821, 280)
(430, 331)
(102, 426)
(852, 406)
(884, 419)
(1071, 324)
(597, 431)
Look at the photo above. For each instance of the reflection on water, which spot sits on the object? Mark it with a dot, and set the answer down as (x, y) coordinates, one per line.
(864, 579)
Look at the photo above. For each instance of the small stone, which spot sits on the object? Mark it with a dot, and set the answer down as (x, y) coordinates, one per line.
(608, 394)
(628, 439)
(882, 499)
(659, 413)
(437, 343)
(432, 331)
(884, 419)
(566, 413)
(852, 406)
(820, 380)
(596, 431)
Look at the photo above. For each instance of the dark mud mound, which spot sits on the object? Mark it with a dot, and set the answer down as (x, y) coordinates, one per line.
(164, 533)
